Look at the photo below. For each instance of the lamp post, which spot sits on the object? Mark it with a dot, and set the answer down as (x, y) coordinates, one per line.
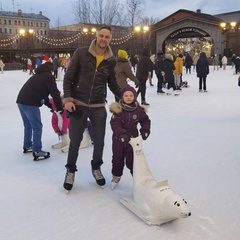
(142, 37)
(88, 32)
(26, 39)
(231, 35)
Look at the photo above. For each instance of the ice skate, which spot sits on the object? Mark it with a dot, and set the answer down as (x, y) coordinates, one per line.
(115, 181)
(176, 93)
(69, 180)
(97, 174)
(168, 92)
(145, 103)
(27, 150)
(160, 92)
(40, 155)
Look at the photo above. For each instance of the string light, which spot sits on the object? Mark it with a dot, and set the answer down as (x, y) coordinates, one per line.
(63, 41)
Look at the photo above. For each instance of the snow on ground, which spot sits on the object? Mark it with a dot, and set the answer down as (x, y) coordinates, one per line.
(194, 144)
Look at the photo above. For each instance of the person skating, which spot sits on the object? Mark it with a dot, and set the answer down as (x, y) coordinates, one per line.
(31, 97)
(127, 114)
(90, 70)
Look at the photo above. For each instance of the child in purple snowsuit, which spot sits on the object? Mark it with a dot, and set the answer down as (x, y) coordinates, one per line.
(127, 113)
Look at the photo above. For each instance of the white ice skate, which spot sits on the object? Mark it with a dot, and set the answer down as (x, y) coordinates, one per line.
(176, 93)
(153, 201)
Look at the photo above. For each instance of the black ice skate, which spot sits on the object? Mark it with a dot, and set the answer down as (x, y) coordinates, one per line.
(97, 174)
(69, 180)
(27, 150)
(40, 155)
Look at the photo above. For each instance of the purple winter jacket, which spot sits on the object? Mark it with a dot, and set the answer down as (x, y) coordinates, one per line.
(125, 122)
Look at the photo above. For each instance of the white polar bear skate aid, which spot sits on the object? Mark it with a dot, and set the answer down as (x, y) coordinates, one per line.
(153, 201)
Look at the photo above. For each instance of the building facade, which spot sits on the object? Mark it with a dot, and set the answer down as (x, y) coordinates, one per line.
(188, 31)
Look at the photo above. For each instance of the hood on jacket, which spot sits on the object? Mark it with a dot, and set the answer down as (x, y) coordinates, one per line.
(202, 55)
(45, 67)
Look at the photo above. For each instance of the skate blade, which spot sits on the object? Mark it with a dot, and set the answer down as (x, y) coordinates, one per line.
(40, 158)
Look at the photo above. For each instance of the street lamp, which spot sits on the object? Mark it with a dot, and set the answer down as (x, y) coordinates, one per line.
(89, 31)
(142, 38)
(230, 31)
(26, 38)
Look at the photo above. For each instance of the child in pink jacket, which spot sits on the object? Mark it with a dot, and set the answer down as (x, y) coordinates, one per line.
(60, 124)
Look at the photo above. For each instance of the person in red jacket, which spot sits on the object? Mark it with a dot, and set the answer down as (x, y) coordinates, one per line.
(127, 114)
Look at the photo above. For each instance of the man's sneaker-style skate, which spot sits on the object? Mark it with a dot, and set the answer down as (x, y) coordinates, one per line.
(115, 181)
(69, 180)
(40, 155)
(27, 150)
(97, 174)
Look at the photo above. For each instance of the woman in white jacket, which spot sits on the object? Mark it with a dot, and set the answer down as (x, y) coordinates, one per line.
(1, 65)
(224, 62)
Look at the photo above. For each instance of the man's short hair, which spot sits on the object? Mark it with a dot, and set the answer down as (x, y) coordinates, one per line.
(108, 27)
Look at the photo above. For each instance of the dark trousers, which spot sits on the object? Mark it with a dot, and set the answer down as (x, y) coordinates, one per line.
(122, 153)
(171, 84)
(202, 80)
(55, 73)
(142, 88)
(160, 82)
(77, 126)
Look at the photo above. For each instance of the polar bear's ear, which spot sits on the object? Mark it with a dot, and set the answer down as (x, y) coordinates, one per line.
(162, 183)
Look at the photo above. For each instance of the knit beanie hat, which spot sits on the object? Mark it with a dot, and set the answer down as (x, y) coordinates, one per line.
(131, 89)
(122, 54)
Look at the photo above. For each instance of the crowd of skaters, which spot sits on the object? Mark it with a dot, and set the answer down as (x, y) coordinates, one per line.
(29, 64)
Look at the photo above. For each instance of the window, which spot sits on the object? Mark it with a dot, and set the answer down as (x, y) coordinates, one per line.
(5, 21)
(19, 23)
(36, 24)
(45, 25)
(0, 30)
(15, 22)
(10, 22)
(5, 30)
(40, 24)
(24, 23)
(10, 31)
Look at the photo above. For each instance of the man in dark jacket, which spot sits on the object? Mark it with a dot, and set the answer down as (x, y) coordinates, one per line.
(85, 90)
(144, 66)
(33, 95)
(159, 71)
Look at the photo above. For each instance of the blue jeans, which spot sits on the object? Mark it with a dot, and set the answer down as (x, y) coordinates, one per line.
(32, 126)
(77, 126)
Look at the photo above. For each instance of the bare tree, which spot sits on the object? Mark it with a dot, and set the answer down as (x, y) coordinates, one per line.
(106, 11)
(58, 22)
(146, 21)
(82, 11)
(134, 11)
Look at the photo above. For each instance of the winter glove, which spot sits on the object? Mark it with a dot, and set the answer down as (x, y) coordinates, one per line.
(60, 133)
(145, 135)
